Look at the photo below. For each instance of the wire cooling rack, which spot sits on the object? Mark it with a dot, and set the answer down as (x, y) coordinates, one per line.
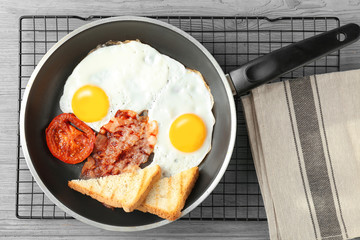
(233, 41)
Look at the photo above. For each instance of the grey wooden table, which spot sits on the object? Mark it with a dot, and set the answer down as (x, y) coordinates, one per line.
(10, 11)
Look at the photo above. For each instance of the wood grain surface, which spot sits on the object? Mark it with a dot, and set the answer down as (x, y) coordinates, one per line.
(10, 11)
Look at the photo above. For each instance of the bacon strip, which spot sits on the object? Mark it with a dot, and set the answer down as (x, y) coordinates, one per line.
(121, 145)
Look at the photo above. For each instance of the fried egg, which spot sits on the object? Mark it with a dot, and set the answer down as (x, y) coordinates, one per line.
(124, 76)
(185, 122)
(134, 76)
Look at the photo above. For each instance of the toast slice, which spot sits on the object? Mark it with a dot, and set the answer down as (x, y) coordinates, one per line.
(167, 197)
(127, 190)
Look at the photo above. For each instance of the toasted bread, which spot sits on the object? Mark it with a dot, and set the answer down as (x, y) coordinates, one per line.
(127, 190)
(167, 197)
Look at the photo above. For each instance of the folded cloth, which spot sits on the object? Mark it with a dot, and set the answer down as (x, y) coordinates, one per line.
(305, 141)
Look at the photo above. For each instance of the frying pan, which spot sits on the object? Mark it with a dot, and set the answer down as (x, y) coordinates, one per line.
(40, 105)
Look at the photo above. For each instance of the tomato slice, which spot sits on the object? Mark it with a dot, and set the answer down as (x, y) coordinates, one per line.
(69, 139)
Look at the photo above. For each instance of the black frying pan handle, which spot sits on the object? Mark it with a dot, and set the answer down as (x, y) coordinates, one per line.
(286, 59)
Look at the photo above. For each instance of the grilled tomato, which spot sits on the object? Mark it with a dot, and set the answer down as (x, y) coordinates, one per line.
(69, 139)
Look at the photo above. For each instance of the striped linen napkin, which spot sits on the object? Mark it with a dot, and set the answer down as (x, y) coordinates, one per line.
(305, 141)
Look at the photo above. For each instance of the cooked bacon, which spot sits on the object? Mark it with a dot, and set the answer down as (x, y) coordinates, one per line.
(122, 144)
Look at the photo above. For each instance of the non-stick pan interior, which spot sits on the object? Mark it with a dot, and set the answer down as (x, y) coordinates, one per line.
(43, 105)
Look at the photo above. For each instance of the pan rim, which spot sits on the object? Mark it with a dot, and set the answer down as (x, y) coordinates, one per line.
(72, 34)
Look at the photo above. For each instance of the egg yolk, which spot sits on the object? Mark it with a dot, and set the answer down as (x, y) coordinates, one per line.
(90, 103)
(187, 133)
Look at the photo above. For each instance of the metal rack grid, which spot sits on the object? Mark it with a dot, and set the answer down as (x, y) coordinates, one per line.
(233, 41)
